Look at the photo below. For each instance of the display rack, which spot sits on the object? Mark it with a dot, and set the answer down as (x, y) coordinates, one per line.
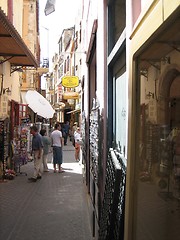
(20, 147)
(4, 146)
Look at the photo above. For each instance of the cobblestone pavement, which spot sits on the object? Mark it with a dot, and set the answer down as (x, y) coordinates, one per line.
(54, 207)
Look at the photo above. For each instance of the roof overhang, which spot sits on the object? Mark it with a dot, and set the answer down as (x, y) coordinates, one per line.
(12, 46)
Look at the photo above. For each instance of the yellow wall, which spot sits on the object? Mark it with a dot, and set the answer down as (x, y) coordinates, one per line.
(17, 15)
(3, 5)
(157, 13)
(170, 6)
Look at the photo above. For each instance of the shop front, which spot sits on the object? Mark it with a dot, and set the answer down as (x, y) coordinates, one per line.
(155, 155)
(14, 54)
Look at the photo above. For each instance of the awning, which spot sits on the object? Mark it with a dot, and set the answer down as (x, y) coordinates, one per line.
(12, 46)
(74, 111)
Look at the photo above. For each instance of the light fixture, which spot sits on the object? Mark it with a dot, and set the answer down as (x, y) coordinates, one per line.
(7, 90)
(144, 72)
(150, 95)
(166, 60)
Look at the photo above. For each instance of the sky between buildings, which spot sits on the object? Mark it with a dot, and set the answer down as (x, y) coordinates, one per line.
(51, 26)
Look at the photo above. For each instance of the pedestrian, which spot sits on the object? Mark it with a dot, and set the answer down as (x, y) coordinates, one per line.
(66, 132)
(77, 138)
(74, 128)
(37, 148)
(46, 143)
(57, 142)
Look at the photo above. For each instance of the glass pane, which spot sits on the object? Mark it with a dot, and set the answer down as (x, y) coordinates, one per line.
(121, 114)
(158, 160)
(116, 21)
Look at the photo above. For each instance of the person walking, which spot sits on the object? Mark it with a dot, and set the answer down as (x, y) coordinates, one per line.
(77, 138)
(46, 143)
(74, 128)
(57, 142)
(66, 132)
(37, 148)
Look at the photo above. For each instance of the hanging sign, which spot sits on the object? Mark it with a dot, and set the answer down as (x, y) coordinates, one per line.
(70, 95)
(70, 81)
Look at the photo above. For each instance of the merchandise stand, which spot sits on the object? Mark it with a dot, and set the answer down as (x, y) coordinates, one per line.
(20, 147)
(4, 147)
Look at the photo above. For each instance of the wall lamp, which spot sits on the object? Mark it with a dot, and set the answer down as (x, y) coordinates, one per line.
(144, 72)
(6, 90)
(150, 94)
(166, 60)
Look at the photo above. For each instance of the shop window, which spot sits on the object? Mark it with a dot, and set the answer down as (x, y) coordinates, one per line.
(76, 40)
(68, 63)
(121, 114)
(80, 32)
(116, 22)
(65, 66)
(158, 157)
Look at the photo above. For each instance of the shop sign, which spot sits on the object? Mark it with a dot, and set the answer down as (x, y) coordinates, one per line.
(70, 81)
(71, 95)
(42, 70)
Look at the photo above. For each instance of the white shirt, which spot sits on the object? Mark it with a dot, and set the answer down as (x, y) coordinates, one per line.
(56, 136)
(77, 136)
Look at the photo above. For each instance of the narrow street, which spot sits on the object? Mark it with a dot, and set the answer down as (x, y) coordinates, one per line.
(54, 207)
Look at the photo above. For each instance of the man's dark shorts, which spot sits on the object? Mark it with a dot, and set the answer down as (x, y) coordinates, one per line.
(57, 155)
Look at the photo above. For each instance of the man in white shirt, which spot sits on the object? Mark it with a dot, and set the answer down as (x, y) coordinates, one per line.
(57, 142)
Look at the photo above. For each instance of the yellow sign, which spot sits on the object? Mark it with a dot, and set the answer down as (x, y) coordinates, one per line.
(70, 81)
(71, 95)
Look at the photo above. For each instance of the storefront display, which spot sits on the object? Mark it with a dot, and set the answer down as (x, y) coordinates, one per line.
(176, 162)
(4, 147)
(20, 143)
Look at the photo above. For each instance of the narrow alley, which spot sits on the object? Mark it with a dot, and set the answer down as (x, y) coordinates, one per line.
(54, 207)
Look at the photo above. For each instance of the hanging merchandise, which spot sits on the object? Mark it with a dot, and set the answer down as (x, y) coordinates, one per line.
(176, 166)
(20, 144)
(4, 146)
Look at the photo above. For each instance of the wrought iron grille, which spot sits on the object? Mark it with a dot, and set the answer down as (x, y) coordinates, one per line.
(111, 224)
(94, 143)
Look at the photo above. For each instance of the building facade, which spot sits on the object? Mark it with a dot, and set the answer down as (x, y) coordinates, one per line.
(130, 108)
(19, 53)
(152, 173)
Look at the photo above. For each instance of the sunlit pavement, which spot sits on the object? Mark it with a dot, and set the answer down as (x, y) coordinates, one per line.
(52, 208)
